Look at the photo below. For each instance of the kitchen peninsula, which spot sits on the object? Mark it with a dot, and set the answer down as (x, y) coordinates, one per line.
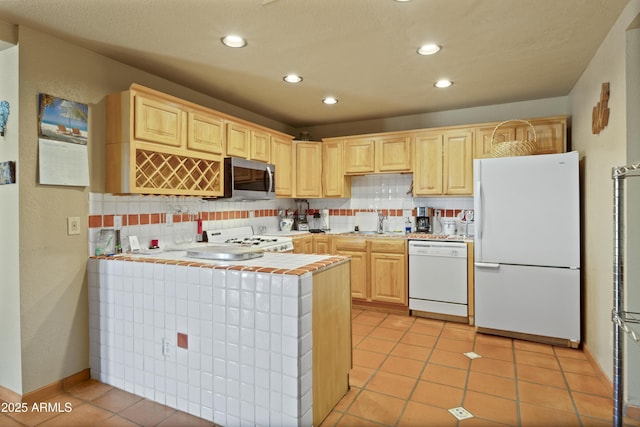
(261, 342)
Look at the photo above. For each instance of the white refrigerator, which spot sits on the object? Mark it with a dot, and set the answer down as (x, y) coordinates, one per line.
(527, 246)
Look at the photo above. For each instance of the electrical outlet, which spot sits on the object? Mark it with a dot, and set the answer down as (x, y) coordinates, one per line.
(166, 348)
(73, 225)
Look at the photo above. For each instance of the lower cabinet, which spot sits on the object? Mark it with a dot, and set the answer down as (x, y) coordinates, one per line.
(303, 244)
(378, 271)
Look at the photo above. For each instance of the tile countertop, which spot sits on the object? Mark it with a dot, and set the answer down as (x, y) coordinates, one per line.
(270, 262)
(412, 236)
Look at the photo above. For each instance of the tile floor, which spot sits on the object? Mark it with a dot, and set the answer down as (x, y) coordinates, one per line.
(407, 371)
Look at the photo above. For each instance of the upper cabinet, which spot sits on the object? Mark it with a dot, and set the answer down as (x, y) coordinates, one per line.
(282, 158)
(443, 163)
(160, 144)
(377, 154)
(308, 169)
(334, 182)
(551, 135)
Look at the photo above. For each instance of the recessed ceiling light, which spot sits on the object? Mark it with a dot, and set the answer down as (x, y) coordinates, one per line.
(443, 83)
(233, 41)
(330, 100)
(428, 49)
(292, 78)
(403, 1)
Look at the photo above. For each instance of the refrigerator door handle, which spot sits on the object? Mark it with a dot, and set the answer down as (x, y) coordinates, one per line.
(478, 216)
(487, 265)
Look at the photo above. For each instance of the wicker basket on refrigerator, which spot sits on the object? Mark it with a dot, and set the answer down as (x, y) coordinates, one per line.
(524, 147)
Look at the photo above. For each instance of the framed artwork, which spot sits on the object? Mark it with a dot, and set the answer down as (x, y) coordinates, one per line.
(7, 172)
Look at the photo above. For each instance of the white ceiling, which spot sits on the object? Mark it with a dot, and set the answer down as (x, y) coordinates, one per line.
(361, 51)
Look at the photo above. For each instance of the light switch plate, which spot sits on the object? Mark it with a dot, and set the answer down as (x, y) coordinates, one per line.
(73, 225)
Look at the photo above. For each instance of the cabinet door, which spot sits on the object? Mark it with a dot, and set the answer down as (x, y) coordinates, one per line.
(389, 278)
(393, 154)
(550, 135)
(308, 169)
(321, 245)
(482, 139)
(427, 174)
(158, 121)
(303, 245)
(357, 250)
(359, 156)
(238, 138)
(282, 150)
(260, 147)
(205, 132)
(458, 162)
(334, 182)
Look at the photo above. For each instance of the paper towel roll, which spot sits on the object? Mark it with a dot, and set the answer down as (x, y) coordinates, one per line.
(324, 216)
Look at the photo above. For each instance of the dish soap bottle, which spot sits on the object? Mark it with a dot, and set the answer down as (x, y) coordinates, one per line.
(407, 226)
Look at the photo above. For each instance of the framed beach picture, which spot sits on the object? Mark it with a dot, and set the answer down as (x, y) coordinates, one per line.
(7, 172)
(63, 138)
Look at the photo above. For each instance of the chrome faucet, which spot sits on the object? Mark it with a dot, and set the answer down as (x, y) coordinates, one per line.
(381, 219)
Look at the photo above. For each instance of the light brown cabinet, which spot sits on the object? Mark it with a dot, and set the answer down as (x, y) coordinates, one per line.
(378, 270)
(443, 163)
(321, 244)
(238, 139)
(282, 158)
(378, 154)
(147, 148)
(260, 146)
(308, 158)
(388, 268)
(205, 133)
(551, 135)
(334, 182)
(303, 244)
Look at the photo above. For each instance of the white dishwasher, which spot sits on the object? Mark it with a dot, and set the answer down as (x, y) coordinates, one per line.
(438, 277)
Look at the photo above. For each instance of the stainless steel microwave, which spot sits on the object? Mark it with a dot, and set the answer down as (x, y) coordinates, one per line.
(248, 180)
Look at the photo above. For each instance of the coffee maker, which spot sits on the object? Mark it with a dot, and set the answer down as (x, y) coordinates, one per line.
(422, 220)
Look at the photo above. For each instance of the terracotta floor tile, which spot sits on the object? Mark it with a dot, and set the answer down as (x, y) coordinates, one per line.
(32, 418)
(6, 421)
(348, 399)
(548, 361)
(392, 384)
(359, 375)
(492, 384)
(89, 390)
(493, 351)
(447, 358)
(366, 319)
(116, 400)
(147, 412)
(377, 407)
(426, 329)
(454, 345)
(418, 339)
(387, 334)
(180, 418)
(491, 407)
(415, 352)
(427, 321)
(536, 416)
(479, 422)
(403, 366)
(536, 374)
(587, 384)
(361, 329)
(593, 406)
(596, 422)
(397, 322)
(494, 340)
(352, 421)
(501, 368)
(331, 420)
(577, 366)
(78, 417)
(440, 395)
(542, 395)
(356, 339)
(570, 352)
(117, 421)
(368, 359)
(419, 414)
(376, 345)
(458, 333)
(446, 375)
(533, 346)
